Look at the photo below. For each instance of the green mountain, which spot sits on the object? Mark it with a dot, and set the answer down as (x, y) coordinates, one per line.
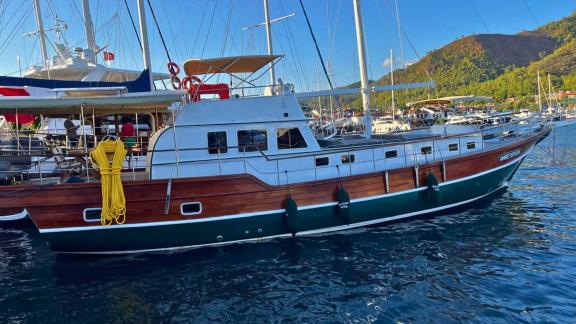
(495, 65)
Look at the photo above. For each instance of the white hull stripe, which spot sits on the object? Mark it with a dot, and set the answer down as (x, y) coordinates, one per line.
(303, 233)
(266, 212)
(14, 217)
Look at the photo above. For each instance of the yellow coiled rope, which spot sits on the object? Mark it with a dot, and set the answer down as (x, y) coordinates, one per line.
(113, 200)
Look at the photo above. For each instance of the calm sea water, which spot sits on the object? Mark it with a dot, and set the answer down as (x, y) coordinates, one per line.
(512, 260)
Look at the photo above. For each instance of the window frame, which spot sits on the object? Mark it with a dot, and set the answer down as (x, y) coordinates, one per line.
(348, 158)
(253, 147)
(289, 129)
(473, 144)
(450, 146)
(191, 213)
(321, 158)
(84, 212)
(220, 149)
(422, 150)
(391, 157)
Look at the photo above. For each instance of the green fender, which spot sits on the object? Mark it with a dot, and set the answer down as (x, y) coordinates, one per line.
(344, 206)
(292, 218)
(434, 193)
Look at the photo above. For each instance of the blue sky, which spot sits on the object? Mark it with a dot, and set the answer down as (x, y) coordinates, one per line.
(212, 28)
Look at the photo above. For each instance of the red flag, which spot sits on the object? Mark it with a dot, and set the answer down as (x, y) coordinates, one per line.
(108, 56)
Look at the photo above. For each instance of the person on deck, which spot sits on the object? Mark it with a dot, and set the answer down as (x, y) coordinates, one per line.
(128, 132)
(71, 131)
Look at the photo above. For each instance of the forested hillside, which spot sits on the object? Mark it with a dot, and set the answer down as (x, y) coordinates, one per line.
(501, 66)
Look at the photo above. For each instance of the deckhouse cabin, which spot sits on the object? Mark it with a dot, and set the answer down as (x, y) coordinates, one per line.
(268, 136)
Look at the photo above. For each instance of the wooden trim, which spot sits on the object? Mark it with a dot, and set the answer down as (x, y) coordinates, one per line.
(62, 205)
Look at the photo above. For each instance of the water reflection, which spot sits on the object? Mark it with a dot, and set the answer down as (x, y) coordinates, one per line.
(510, 259)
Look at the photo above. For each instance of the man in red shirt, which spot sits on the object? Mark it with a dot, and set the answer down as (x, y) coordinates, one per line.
(128, 132)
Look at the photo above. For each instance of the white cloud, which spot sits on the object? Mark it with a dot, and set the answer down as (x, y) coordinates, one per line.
(386, 63)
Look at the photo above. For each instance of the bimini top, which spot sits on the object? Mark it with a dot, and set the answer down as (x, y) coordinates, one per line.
(449, 100)
(233, 64)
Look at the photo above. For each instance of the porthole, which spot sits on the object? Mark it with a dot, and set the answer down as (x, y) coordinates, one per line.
(322, 161)
(391, 154)
(348, 158)
(191, 208)
(92, 214)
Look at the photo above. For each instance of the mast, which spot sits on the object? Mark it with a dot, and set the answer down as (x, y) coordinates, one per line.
(41, 34)
(269, 41)
(89, 29)
(539, 95)
(144, 37)
(392, 83)
(363, 72)
(399, 34)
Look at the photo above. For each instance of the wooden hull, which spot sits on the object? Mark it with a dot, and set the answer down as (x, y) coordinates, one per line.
(241, 208)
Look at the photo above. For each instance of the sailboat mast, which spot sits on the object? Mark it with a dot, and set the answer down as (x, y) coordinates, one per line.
(363, 72)
(399, 33)
(144, 36)
(89, 30)
(269, 41)
(392, 82)
(41, 33)
(539, 94)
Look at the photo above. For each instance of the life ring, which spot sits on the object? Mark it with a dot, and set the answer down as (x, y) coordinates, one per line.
(173, 68)
(189, 81)
(176, 83)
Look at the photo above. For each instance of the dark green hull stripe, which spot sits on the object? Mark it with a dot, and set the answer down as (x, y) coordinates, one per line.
(323, 218)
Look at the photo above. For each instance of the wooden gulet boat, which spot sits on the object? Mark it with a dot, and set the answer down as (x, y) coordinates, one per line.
(250, 168)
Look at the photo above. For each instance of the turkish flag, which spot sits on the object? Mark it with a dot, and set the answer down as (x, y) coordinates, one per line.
(108, 56)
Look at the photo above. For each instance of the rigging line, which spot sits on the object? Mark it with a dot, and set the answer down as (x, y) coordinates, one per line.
(13, 17)
(333, 41)
(531, 13)
(316, 45)
(133, 25)
(201, 24)
(18, 25)
(209, 29)
(227, 27)
(176, 50)
(296, 67)
(478, 15)
(237, 27)
(159, 31)
(296, 55)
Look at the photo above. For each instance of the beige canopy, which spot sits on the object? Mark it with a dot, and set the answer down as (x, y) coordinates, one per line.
(234, 64)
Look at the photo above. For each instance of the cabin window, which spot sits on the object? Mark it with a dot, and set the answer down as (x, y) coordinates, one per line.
(92, 214)
(453, 147)
(471, 145)
(391, 154)
(252, 140)
(426, 149)
(322, 161)
(190, 208)
(217, 143)
(348, 158)
(290, 138)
